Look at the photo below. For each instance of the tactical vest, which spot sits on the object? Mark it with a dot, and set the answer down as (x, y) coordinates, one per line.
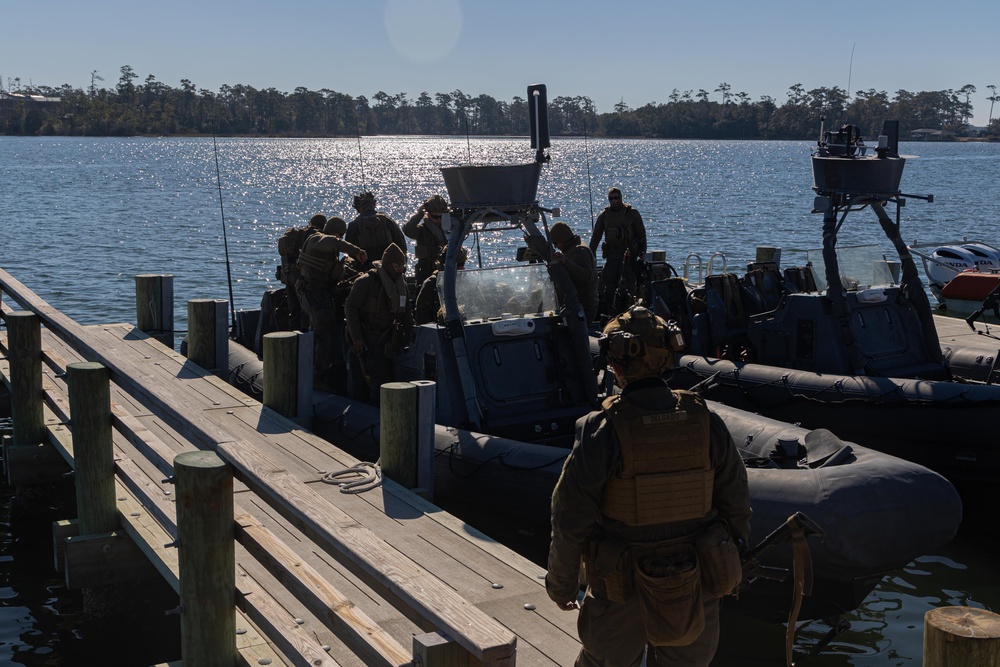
(617, 230)
(315, 266)
(428, 243)
(373, 232)
(290, 244)
(667, 474)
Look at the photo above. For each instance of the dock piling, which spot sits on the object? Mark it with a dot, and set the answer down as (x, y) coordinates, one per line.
(398, 432)
(208, 333)
(93, 451)
(768, 254)
(154, 306)
(426, 411)
(965, 636)
(206, 558)
(288, 369)
(24, 331)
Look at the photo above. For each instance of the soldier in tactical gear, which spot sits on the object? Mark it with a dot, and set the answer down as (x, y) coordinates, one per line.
(580, 263)
(372, 231)
(379, 323)
(289, 245)
(424, 227)
(624, 244)
(653, 500)
(427, 306)
(321, 266)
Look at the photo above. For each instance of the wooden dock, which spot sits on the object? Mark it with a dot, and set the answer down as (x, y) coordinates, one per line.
(323, 578)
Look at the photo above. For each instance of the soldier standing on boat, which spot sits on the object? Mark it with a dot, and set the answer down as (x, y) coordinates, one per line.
(624, 244)
(379, 323)
(580, 263)
(372, 231)
(424, 227)
(428, 304)
(289, 245)
(321, 266)
(655, 565)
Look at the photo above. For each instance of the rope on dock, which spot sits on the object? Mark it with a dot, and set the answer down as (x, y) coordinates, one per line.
(369, 476)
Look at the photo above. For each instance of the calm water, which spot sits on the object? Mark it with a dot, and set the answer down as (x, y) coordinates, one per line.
(79, 218)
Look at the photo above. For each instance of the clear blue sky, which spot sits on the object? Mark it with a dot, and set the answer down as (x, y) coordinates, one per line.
(609, 51)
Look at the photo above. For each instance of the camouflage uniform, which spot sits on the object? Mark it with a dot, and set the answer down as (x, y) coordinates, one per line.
(372, 231)
(428, 235)
(370, 318)
(581, 266)
(623, 232)
(611, 624)
(321, 266)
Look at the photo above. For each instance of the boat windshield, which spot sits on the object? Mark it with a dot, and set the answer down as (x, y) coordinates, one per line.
(861, 267)
(510, 290)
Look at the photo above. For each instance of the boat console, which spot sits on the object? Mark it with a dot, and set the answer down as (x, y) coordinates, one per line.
(510, 351)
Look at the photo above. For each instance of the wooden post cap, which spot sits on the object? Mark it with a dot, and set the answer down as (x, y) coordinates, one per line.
(965, 636)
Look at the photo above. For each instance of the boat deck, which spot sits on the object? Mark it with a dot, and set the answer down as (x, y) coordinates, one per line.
(323, 577)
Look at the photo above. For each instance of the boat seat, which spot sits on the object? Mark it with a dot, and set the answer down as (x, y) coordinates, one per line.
(766, 281)
(669, 300)
(799, 279)
(728, 308)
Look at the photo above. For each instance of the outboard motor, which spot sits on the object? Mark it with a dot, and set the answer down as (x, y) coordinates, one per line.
(987, 258)
(949, 261)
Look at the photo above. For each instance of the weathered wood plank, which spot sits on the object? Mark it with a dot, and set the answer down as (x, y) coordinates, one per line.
(326, 602)
(279, 625)
(389, 568)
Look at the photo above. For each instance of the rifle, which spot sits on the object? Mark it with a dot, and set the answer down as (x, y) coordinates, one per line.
(786, 532)
(795, 530)
(992, 300)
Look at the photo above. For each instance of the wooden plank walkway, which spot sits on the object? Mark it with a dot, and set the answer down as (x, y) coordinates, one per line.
(326, 578)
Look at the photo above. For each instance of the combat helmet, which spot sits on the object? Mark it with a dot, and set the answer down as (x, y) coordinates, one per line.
(641, 343)
(364, 201)
(436, 205)
(335, 227)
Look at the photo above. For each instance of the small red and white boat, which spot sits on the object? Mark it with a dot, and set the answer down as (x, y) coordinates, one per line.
(960, 274)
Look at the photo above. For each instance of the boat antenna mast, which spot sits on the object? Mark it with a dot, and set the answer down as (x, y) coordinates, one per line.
(538, 121)
(222, 210)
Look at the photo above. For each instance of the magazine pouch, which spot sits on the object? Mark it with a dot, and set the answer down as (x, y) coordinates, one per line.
(719, 558)
(668, 581)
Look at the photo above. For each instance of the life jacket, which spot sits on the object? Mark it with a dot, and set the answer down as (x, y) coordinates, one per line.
(667, 474)
(617, 230)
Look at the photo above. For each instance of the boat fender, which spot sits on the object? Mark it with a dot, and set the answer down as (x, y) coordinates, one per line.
(515, 327)
(873, 295)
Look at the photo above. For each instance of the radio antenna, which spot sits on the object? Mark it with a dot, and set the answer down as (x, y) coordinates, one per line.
(225, 240)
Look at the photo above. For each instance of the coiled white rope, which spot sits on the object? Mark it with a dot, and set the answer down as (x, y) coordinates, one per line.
(368, 476)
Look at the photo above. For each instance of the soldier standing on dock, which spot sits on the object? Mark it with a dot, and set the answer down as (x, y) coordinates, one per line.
(655, 568)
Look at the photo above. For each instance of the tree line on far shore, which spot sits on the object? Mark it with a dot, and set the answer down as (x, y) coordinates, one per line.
(154, 108)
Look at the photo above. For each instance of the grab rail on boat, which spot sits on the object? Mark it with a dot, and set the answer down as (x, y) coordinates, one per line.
(687, 268)
(711, 262)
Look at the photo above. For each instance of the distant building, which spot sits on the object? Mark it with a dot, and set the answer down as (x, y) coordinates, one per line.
(11, 103)
(932, 134)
